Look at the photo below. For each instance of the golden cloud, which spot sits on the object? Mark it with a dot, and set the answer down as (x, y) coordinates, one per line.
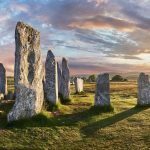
(101, 22)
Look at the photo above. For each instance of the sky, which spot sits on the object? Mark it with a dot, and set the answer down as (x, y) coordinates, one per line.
(94, 35)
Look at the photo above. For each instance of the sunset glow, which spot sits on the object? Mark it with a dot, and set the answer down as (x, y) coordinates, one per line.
(94, 35)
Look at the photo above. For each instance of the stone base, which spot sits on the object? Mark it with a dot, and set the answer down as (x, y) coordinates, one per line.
(28, 103)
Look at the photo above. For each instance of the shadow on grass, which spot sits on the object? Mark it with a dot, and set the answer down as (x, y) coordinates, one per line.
(5, 107)
(45, 120)
(81, 94)
(90, 129)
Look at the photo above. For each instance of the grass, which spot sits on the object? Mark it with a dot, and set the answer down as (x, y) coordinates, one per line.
(10, 82)
(50, 106)
(78, 125)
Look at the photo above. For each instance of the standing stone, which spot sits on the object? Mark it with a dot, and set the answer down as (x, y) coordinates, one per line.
(65, 80)
(3, 80)
(72, 83)
(1, 96)
(59, 78)
(143, 90)
(78, 85)
(51, 79)
(28, 74)
(102, 95)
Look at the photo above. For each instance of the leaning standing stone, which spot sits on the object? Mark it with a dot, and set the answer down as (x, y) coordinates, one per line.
(3, 80)
(28, 73)
(51, 79)
(102, 95)
(65, 80)
(78, 85)
(59, 78)
(143, 90)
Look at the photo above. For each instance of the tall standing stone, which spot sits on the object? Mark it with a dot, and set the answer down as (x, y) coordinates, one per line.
(59, 78)
(102, 95)
(65, 80)
(3, 80)
(78, 85)
(143, 90)
(28, 73)
(51, 79)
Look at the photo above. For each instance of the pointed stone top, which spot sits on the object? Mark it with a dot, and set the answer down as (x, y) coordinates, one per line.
(23, 25)
(142, 74)
(105, 74)
(2, 68)
(143, 80)
(1, 65)
(50, 54)
(103, 77)
(64, 61)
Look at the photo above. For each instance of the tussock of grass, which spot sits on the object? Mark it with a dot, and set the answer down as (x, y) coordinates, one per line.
(102, 109)
(40, 119)
(50, 106)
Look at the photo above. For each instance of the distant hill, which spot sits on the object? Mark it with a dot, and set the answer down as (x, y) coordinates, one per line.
(129, 75)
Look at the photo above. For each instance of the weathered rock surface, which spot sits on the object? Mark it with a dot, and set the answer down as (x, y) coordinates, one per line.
(51, 78)
(78, 85)
(65, 80)
(102, 95)
(143, 90)
(28, 73)
(59, 78)
(3, 80)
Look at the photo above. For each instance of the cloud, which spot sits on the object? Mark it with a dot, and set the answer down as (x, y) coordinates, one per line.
(82, 65)
(103, 22)
(125, 56)
(108, 29)
(98, 2)
(7, 58)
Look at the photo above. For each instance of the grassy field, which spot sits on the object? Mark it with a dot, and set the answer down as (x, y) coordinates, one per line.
(10, 83)
(77, 126)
